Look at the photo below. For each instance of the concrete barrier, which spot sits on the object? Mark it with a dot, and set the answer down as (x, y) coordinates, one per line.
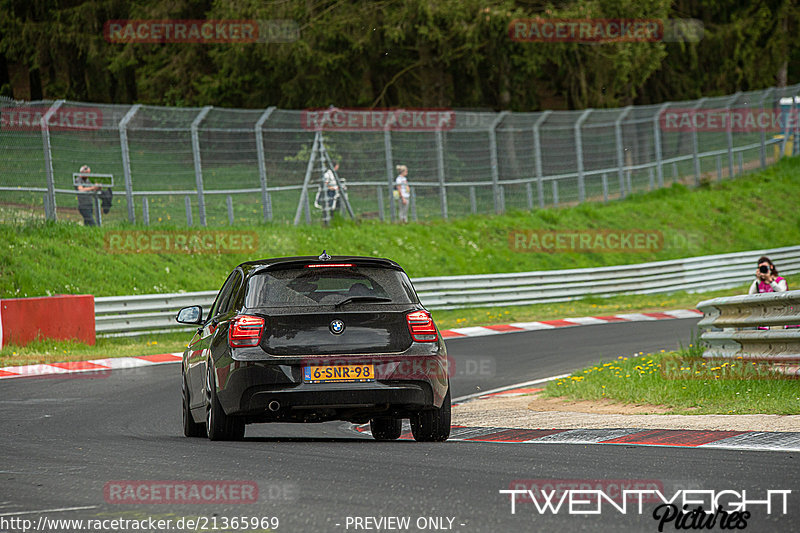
(61, 317)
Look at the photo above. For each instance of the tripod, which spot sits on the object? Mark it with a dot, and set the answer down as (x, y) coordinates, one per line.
(324, 164)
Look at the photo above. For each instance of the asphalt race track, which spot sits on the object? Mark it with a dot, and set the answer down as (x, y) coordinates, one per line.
(66, 440)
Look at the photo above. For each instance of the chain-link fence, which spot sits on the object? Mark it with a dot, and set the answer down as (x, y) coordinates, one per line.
(214, 166)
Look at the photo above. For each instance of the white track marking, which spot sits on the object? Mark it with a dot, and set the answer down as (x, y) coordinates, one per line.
(509, 387)
(58, 510)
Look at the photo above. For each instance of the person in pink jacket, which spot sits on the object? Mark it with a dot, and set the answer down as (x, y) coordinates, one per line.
(767, 278)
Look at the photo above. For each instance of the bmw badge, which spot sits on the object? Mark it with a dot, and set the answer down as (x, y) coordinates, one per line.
(337, 327)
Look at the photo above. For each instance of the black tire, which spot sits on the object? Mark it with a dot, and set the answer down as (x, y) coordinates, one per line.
(219, 426)
(190, 427)
(433, 425)
(385, 428)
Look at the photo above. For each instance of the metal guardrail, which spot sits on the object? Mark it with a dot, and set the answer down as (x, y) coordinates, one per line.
(147, 312)
(129, 315)
(694, 274)
(735, 323)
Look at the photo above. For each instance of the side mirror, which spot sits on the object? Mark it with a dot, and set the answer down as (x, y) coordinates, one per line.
(190, 315)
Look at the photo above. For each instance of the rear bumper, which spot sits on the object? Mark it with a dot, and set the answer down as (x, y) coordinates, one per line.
(311, 402)
(401, 388)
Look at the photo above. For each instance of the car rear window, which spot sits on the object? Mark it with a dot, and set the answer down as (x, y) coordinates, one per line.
(299, 287)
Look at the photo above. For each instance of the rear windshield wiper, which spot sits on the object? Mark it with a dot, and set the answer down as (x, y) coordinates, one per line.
(363, 299)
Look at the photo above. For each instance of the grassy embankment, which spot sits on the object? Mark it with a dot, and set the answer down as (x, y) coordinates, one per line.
(751, 212)
(684, 383)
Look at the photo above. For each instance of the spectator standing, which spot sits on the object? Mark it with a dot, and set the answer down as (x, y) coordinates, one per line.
(328, 194)
(86, 192)
(403, 193)
(767, 278)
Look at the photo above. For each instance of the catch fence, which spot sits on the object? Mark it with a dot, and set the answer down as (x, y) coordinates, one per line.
(212, 166)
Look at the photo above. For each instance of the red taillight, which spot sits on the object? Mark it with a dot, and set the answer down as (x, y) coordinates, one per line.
(245, 330)
(421, 326)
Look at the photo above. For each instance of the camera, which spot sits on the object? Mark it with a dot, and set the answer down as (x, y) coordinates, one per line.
(764, 269)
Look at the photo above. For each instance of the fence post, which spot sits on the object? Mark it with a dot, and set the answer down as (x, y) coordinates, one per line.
(379, 192)
(621, 150)
(126, 160)
(529, 194)
(657, 144)
(763, 130)
(537, 149)
(579, 154)
(307, 180)
(198, 167)
(229, 203)
(145, 211)
(498, 206)
(387, 147)
(413, 206)
(605, 188)
(440, 171)
(795, 100)
(555, 193)
(48, 158)
(262, 163)
(188, 204)
(473, 203)
(46, 204)
(785, 131)
(696, 144)
(733, 99)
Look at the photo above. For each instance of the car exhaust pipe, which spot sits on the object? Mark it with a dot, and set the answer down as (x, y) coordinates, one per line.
(274, 405)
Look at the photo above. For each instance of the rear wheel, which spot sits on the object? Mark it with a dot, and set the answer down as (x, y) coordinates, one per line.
(386, 428)
(219, 426)
(432, 425)
(190, 427)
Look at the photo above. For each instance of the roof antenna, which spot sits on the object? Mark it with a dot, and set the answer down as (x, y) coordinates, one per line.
(324, 256)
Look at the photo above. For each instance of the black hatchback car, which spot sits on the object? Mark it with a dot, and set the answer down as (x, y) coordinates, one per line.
(313, 339)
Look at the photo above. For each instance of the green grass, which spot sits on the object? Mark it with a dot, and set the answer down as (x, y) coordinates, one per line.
(53, 351)
(750, 212)
(683, 383)
(753, 211)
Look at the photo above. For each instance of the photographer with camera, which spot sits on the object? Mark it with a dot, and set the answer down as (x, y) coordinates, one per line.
(767, 278)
